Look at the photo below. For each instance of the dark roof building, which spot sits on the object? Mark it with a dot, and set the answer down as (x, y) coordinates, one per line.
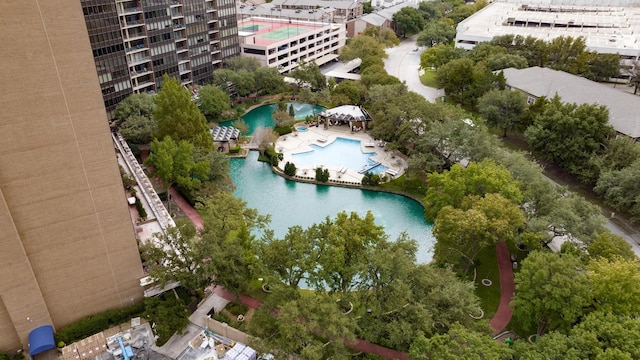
(624, 108)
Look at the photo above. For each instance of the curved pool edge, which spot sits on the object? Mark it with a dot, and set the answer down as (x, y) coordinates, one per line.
(276, 170)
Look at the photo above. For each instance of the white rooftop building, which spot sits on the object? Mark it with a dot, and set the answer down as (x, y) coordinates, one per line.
(608, 26)
(284, 43)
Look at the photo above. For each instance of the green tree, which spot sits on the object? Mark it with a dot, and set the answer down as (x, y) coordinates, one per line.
(140, 104)
(615, 285)
(438, 55)
(376, 75)
(228, 228)
(457, 78)
(440, 31)
(346, 244)
(401, 115)
(602, 67)
(213, 101)
(384, 36)
(552, 292)
(174, 163)
(178, 117)
(269, 80)
(606, 336)
(503, 109)
(451, 187)
(309, 73)
(238, 63)
(480, 223)
(621, 190)
(282, 119)
(408, 21)
(312, 327)
(177, 255)
(459, 343)
(291, 258)
(429, 10)
(138, 129)
(362, 47)
(169, 315)
(610, 246)
(503, 61)
(569, 134)
(348, 92)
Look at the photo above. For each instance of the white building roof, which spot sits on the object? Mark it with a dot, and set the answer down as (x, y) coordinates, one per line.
(608, 30)
(346, 112)
(337, 4)
(624, 108)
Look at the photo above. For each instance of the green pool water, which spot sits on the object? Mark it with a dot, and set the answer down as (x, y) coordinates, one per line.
(291, 203)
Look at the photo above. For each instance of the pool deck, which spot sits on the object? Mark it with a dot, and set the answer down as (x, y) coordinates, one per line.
(300, 141)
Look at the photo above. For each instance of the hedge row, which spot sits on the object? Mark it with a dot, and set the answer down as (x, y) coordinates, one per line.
(97, 323)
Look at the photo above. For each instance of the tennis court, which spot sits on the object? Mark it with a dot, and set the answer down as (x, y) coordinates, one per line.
(252, 27)
(284, 32)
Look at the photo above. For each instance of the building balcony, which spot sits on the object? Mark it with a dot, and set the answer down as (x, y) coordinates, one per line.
(142, 86)
(175, 3)
(138, 60)
(177, 27)
(130, 10)
(132, 23)
(139, 72)
(135, 48)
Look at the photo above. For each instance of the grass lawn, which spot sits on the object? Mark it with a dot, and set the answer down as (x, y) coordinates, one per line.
(487, 268)
(429, 79)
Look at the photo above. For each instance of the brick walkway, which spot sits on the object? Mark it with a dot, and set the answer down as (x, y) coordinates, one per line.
(507, 289)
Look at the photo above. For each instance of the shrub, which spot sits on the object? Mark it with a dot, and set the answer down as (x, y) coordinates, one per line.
(141, 211)
(283, 130)
(237, 308)
(371, 179)
(290, 169)
(322, 174)
(234, 149)
(97, 323)
(128, 181)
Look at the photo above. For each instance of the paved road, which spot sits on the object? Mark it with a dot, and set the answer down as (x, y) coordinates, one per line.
(403, 63)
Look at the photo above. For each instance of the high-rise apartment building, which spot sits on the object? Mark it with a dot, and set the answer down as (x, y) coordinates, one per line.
(136, 42)
(67, 244)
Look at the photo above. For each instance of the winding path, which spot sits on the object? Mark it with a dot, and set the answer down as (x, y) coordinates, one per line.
(507, 288)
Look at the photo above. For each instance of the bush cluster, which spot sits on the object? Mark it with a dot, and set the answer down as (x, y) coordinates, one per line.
(97, 323)
(322, 174)
(141, 211)
(290, 168)
(371, 179)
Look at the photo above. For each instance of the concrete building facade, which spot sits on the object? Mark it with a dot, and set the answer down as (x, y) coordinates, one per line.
(68, 244)
(136, 42)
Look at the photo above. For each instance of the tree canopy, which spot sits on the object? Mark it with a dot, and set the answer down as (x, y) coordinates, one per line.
(503, 109)
(552, 292)
(213, 101)
(451, 187)
(408, 21)
(178, 117)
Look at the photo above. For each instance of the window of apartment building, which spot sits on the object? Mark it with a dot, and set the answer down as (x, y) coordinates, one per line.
(254, 51)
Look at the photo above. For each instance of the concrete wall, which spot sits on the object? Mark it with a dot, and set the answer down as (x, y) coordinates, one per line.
(68, 246)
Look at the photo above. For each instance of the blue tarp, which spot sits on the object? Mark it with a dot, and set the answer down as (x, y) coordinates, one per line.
(41, 339)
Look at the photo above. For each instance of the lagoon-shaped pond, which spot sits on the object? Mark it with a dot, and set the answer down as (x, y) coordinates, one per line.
(291, 203)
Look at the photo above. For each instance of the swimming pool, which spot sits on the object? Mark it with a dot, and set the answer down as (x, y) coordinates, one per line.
(340, 153)
(301, 128)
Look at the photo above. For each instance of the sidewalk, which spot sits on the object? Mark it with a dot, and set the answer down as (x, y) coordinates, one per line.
(507, 289)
